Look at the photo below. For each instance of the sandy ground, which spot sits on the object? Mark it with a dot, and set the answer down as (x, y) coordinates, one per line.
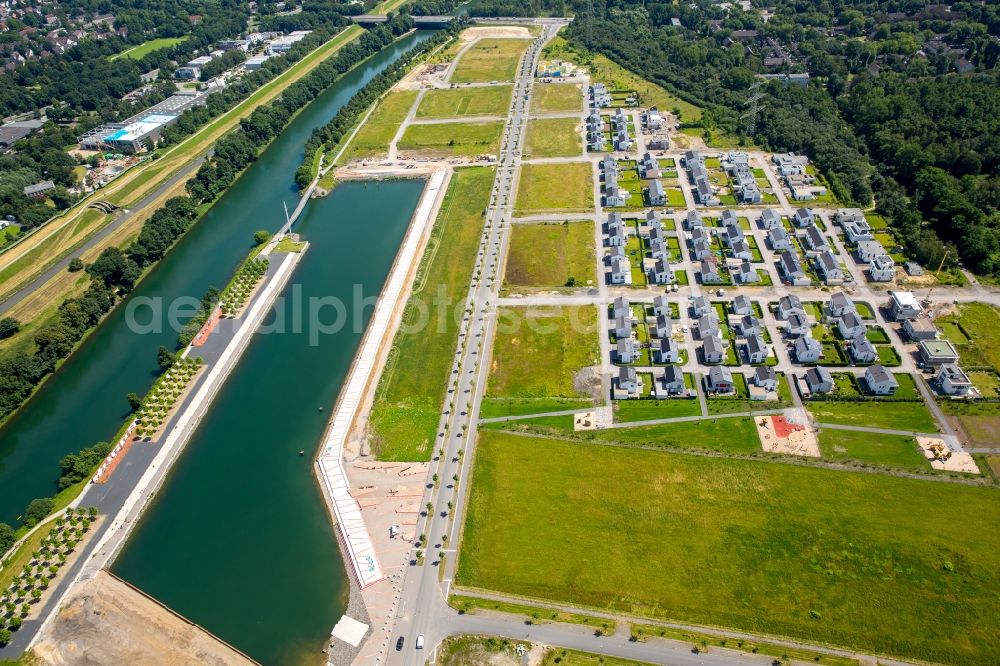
(480, 32)
(800, 441)
(104, 621)
(428, 75)
(954, 462)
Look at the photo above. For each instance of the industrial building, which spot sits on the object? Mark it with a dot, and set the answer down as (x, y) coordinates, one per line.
(143, 129)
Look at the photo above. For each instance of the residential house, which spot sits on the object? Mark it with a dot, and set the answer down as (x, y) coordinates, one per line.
(803, 218)
(815, 240)
(882, 269)
(710, 272)
(628, 382)
(778, 239)
(731, 234)
(790, 164)
(712, 350)
(829, 268)
(658, 249)
(621, 270)
(673, 380)
(808, 349)
(867, 250)
(792, 270)
(789, 304)
(747, 191)
(880, 381)
(708, 326)
(39, 190)
(745, 273)
(741, 305)
(755, 349)
(701, 245)
(654, 220)
(748, 325)
(626, 350)
(609, 166)
(952, 380)
(649, 167)
(921, 328)
(729, 219)
(622, 140)
(741, 250)
(662, 273)
(861, 349)
(666, 350)
(719, 381)
(657, 195)
(701, 306)
(839, 305)
(661, 306)
(797, 325)
(599, 95)
(622, 327)
(847, 215)
(621, 307)
(704, 192)
(655, 233)
(850, 325)
(616, 229)
(613, 195)
(662, 326)
(856, 229)
(819, 380)
(769, 219)
(903, 305)
(616, 251)
(693, 220)
(765, 377)
(937, 352)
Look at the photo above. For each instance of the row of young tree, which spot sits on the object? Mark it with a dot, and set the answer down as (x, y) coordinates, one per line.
(335, 130)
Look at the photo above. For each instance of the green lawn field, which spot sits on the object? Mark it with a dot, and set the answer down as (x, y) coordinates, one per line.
(537, 351)
(465, 102)
(458, 139)
(375, 135)
(553, 137)
(879, 563)
(556, 98)
(554, 188)
(144, 49)
(547, 255)
(889, 450)
(490, 59)
(412, 388)
(647, 410)
(908, 416)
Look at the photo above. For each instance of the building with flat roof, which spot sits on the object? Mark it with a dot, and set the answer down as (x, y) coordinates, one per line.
(937, 352)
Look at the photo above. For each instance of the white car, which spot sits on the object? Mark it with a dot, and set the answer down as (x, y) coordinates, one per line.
(420, 642)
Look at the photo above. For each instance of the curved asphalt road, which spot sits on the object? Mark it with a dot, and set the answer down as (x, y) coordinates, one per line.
(121, 218)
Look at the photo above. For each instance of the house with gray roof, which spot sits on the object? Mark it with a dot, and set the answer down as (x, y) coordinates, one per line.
(704, 192)
(815, 240)
(628, 382)
(712, 350)
(952, 380)
(621, 307)
(609, 165)
(807, 349)
(839, 304)
(880, 381)
(867, 250)
(789, 304)
(769, 219)
(662, 326)
(693, 220)
(861, 350)
(765, 377)
(621, 270)
(39, 190)
(745, 273)
(673, 380)
(856, 231)
(819, 380)
(662, 273)
(658, 249)
(778, 239)
(731, 234)
(803, 218)
(666, 350)
(708, 327)
(796, 324)
(649, 167)
(756, 349)
(657, 195)
(701, 306)
(709, 272)
(741, 305)
(748, 325)
(616, 251)
(719, 381)
(701, 246)
(729, 219)
(850, 325)
(622, 327)
(882, 269)
(829, 268)
(792, 270)
(741, 250)
(626, 350)
(661, 306)
(921, 328)
(654, 220)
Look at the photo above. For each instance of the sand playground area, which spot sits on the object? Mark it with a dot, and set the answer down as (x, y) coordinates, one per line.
(941, 457)
(788, 433)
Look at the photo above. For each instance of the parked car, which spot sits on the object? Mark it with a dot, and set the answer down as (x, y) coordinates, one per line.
(420, 642)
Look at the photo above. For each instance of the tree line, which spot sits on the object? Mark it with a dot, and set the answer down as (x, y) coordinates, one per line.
(341, 124)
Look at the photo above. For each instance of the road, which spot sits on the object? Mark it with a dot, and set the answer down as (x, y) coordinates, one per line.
(122, 217)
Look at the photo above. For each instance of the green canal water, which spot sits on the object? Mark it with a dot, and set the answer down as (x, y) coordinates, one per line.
(238, 540)
(84, 402)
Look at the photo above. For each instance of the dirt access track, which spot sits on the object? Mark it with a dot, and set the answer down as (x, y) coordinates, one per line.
(105, 621)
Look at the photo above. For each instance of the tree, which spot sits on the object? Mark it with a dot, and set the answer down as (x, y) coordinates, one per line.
(37, 509)
(7, 537)
(8, 327)
(75, 265)
(164, 358)
(134, 401)
(261, 236)
(4, 636)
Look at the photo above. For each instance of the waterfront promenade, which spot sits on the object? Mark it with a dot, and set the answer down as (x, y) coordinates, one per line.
(345, 509)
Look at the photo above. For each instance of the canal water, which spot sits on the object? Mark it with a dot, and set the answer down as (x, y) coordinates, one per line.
(238, 539)
(84, 402)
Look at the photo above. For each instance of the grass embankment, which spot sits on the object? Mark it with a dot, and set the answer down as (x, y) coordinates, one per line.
(412, 388)
(553, 137)
(873, 562)
(551, 255)
(142, 50)
(905, 416)
(537, 354)
(556, 98)
(537, 614)
(452, 139)
(374, 136)
(465, 102)
(555, 188)
(862, 447)
(490, 59)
